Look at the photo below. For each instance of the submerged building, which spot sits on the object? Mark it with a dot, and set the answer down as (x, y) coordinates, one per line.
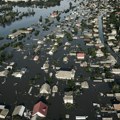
(65, 74)
(16, 0)
(40, 109)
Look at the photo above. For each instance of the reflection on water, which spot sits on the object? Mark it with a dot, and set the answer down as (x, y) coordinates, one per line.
(27, 21)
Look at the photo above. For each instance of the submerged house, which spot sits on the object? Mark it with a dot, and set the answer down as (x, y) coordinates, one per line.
(99, 53)
(81, 117)
(116, 107)
(17, 74)
(3, 112)
(45, 89)
(68, 97)
(55, 89)
(16, 0)
(84, 85)
(40, 109)
(54, 14)
(80, 56)
(115, 71)
(65, 74)
(4, 73)
(36, 58)
(107, 118)
(18, 33)
(60, 35)
(19, 111)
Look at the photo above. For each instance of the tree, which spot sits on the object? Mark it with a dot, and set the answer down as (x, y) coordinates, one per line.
(116, 88)
(70, 5)
(14, 31)
(40, 19)
(69, 36)
(58, 18)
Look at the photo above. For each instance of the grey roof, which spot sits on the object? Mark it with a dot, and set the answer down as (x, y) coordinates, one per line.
(55, 88)
(19, 110)
(84, 84)
(69, 93)
(4, 112)
(35, 117)
(45, 88)
(107, 118)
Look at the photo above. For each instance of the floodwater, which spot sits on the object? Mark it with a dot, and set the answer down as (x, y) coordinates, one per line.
(13, 94)
(28, 21)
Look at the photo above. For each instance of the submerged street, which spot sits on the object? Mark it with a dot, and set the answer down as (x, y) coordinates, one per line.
(72, 37)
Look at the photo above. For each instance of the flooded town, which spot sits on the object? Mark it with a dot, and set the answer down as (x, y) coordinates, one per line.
(60, 60)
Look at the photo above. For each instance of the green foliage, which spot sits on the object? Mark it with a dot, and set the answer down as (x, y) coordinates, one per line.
(52, 36)
(1, 37)
(91, 51)
(18, 44)
(14, 31)
(83, 25)
(5, 56)
(69, 106)
(70, 86)
(116, 88)
(40, 19)
(75, 30)
(58, 18)
(47, 20)
(36, 33)
(45, 28)
(68, 36)
(4, 46)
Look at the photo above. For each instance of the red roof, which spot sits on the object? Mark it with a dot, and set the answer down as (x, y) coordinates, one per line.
(54, 14)
(40, 107)
(80, 55)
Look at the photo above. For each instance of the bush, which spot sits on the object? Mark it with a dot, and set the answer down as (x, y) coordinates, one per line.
(1, 38)
(68, 36)
(37, 32)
